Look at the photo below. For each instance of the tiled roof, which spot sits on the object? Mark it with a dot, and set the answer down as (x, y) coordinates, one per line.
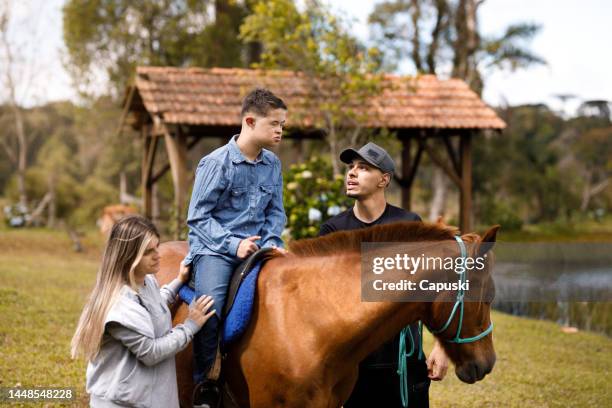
(196, 96)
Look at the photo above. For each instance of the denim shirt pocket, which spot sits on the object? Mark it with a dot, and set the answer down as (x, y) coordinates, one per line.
(238, 198)
(265, 195)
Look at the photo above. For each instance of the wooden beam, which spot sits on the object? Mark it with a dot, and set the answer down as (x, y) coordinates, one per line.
(465, 209)
(450, 172)
(176, 147)
(452, 154)
(409, 169)
(406, 168)
(124, 112)
(415, 163)
(166, 166)
(148, 159)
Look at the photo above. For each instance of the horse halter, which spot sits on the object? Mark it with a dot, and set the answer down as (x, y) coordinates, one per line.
(459, 305)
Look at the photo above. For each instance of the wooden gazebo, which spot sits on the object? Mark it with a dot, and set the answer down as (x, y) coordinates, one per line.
(184, 105)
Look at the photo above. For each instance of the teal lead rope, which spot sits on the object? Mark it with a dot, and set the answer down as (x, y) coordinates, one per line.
(402, 369)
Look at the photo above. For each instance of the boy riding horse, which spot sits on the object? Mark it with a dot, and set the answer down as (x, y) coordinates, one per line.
(237, 202)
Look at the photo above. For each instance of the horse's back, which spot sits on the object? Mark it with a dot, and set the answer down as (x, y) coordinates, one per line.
(171, 254)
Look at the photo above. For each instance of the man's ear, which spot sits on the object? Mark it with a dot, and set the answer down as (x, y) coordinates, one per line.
(386, 177)
(250, 121)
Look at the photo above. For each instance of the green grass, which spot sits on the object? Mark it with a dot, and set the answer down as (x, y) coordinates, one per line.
(537, 366)
(43, 285)
(576, 231)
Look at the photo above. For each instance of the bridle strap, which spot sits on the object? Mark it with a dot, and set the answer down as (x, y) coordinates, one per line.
(459, 303)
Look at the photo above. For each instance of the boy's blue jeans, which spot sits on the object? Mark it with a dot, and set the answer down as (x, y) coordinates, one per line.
(212, 277)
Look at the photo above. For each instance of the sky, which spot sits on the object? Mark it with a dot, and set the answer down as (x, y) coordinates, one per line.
(574, 41)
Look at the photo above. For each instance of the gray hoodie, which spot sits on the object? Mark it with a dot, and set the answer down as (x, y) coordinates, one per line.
(135, 366)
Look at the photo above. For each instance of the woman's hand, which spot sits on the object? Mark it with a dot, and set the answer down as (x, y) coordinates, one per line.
(184, 272)
(198, 310)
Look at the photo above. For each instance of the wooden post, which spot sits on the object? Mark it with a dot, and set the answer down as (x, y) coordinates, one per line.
(176, 146)
(298, 144)
(465, 210)
(406, 170)
(148, 159)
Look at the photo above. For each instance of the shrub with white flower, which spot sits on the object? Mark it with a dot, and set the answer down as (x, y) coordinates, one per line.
(311, 196)
(314, 215)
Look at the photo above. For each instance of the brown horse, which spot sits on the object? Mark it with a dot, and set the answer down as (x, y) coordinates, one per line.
(309, 329)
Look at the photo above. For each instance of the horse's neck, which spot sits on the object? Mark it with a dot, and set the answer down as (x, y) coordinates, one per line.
(352, 328)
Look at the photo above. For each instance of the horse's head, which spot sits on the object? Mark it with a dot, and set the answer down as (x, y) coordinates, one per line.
(470, 348)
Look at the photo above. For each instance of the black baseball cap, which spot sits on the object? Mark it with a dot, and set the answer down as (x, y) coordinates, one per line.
(370, 153)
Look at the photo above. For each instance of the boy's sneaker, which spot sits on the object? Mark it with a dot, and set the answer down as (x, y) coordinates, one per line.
(207, 395)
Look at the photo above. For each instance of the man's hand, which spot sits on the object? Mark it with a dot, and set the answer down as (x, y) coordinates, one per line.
(183, 274)
(247, 247)
(437, 362)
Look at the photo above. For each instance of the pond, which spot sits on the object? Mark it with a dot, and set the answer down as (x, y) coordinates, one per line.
(570, 283)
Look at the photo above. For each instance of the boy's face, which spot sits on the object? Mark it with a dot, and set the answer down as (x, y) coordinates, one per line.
(363, 180)
(267, 131)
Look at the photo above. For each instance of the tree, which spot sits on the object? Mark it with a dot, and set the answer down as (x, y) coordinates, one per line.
(15, 77)
(342, 74)
(111, 37)
(442, 37)
(594, 151)
(531, 178)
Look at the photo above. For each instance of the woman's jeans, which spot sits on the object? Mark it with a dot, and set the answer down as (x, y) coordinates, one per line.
(212, 277)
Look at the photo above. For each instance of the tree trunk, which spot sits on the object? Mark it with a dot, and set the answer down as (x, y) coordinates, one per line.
(467, 44)
(22, 141)
(22, 158)
(52, 206)
(440, 193)
(464, 67)
(590, 191)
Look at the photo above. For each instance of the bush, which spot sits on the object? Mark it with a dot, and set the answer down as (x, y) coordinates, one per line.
(496, 212)
(311, 196)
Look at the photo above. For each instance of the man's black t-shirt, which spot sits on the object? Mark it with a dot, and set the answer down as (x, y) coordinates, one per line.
(346, 220)
(386, 356)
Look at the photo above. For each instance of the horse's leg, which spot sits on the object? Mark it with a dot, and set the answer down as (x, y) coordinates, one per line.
(343, 388)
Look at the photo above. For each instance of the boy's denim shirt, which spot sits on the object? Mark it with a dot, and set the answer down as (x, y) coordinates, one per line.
(234, 198)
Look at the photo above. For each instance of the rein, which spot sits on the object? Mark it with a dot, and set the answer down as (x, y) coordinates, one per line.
(459, 304)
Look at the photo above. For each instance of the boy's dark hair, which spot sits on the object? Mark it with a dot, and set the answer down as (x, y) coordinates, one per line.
(261, 101)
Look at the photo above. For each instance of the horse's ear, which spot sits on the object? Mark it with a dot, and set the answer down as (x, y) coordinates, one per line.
(488, 241)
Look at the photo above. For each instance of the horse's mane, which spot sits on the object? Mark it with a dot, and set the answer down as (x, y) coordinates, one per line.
(350, 241)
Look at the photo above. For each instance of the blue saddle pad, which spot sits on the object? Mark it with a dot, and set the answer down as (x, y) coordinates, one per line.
(238, 317)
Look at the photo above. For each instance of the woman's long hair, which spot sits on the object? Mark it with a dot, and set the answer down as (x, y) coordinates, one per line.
(128, 240)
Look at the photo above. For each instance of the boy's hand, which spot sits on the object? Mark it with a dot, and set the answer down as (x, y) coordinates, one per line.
(183, 274)
(247, 246)
(281, 250)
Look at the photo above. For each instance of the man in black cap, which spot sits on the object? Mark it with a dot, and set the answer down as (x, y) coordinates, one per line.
(369, 173)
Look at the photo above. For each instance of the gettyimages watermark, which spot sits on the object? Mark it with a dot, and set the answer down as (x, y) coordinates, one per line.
(523, 272)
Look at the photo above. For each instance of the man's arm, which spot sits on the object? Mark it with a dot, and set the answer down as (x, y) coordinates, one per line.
(208, 186)
(275, 215)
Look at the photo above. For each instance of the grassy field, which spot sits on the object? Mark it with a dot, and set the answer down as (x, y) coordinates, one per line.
(576, 231)
(43, 285)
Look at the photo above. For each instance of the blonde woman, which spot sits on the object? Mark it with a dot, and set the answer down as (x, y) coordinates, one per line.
(125, 331)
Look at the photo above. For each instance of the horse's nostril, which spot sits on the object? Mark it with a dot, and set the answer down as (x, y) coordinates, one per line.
(476, 371)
